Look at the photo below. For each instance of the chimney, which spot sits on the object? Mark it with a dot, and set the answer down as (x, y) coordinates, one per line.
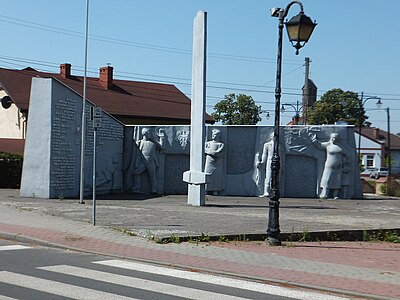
(376, 133)
(65, 70)
(106, 77)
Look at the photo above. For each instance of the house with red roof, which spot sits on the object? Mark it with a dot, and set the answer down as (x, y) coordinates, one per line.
(131, 102)
(374, 148)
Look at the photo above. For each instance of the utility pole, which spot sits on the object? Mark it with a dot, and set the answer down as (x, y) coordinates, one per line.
(305, 103)
(83, 126)
(389, 154)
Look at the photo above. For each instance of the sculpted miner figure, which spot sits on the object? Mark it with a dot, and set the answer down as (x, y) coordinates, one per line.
(149, 148)
(214, 164)
(333, 169)
(265, 161)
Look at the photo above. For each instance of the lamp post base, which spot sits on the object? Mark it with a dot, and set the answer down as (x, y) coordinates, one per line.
(273, 241)
(273, 230)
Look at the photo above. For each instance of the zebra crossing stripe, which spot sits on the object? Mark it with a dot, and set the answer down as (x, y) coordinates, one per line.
(57, 288)
(219, 280)
(13, 247)
(143, 284)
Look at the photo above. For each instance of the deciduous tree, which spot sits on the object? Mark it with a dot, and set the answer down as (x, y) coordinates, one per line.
(237, 110)
(337, 105)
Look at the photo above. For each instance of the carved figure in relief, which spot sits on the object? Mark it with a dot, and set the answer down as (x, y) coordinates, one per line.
(345, 177)
(214, 164)
(149, 148)
(264, 161)
(334, 168)
(110, 177)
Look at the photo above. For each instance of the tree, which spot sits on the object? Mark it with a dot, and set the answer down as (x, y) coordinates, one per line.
(337, 105)
(237, 110)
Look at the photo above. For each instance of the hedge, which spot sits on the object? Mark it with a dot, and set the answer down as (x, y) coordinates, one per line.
(10, 170)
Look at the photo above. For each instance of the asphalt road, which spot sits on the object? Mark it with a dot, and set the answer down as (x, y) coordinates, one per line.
(33, 272)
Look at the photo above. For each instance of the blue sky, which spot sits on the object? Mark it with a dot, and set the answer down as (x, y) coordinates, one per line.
(354, 47)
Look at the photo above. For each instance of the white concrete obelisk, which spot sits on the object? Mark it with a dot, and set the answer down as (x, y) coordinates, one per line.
(195, 177)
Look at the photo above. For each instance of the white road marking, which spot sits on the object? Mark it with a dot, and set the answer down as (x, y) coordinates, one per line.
(143, 284)
(57, 288)
(223, 281)
(14, 247)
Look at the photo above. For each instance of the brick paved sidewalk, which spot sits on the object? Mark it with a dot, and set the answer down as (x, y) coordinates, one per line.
(371, 270)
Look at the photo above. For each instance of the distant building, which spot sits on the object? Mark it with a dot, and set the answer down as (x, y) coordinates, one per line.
(374, 148)
(308, 99)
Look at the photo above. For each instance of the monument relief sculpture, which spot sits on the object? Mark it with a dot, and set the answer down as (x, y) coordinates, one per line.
(148, 161)
(214, 164)
(332, 176)
(265, 162)
(110, 178)
(345, 177)
(182, 136)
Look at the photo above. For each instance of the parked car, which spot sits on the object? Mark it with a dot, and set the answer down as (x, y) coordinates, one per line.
(378, 172)
(366, 172)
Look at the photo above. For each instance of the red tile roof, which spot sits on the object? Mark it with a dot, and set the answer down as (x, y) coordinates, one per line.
(12, 145)
(380, 136)
(124, 99)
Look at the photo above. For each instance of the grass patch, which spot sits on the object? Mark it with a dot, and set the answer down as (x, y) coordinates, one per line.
(381, 236)
(125, 230)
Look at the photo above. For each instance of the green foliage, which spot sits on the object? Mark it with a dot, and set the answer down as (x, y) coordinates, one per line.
(223, 239)
(242, 238)
(337, 105)
(172, 239)
(237, 110)
(381, 236)
(383, 189)
(10, 170)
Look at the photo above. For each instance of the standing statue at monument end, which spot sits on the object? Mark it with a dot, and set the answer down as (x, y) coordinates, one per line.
(214, 164)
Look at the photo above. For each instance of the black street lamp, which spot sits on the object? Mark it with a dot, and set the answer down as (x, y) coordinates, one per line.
(299, 30)
(362, 103)
(296, 108)
(267, 114)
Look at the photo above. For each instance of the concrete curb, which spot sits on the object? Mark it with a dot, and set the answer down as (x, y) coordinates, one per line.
(306, 236)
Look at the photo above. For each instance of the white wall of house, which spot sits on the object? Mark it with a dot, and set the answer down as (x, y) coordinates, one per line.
(371, 151)
(12, 122)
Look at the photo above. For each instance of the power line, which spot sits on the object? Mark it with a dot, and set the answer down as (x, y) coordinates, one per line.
(58, 30)
(239, 87)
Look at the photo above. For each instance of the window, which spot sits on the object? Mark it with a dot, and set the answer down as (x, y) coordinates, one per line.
(370, 161)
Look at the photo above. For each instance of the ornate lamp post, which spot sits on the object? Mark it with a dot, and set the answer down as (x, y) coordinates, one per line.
(299, 29)
(296, 108)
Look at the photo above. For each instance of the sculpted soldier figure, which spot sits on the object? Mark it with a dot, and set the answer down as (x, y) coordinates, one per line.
(149, 148)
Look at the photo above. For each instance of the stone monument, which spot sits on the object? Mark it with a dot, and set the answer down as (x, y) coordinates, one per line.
(51, 167)
(195, 177)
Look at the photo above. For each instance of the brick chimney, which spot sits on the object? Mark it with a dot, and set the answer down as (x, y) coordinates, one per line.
(106, 77)
(65, 70)
(376, 133)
